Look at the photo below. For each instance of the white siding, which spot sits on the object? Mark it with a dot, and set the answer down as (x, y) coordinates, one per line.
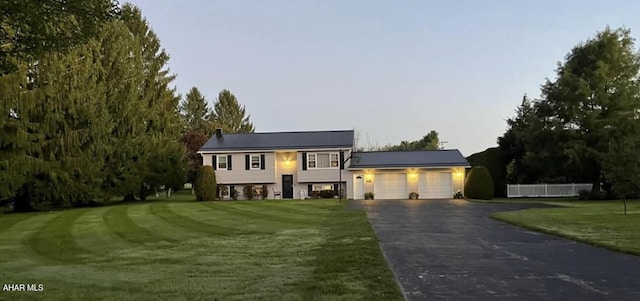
(322, 175)
(278, 163)
(239, 175)
(286, 164)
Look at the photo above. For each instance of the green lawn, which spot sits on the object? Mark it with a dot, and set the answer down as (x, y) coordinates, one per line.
(600, 223)
(185, 250)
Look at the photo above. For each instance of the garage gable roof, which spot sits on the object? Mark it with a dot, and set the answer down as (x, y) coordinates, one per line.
(281, 140)
(408, 159)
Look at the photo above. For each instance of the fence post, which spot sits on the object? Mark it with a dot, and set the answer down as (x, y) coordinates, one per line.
(573, 185)
(545, 190)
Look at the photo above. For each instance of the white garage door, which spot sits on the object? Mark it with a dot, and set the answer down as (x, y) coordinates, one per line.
(436, 185)
(390, 186)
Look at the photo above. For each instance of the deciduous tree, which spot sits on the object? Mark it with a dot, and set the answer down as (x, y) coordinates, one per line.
(431, 141)
(193, 141)
(567, 134)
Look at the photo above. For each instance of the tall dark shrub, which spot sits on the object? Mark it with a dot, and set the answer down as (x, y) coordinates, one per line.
(206, 184)
(479, 184)
(492, 160)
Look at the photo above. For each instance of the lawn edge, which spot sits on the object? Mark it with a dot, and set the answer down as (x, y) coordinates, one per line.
(563, 235)
(389, 264)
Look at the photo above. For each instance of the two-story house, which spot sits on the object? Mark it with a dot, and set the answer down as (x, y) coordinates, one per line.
(293, 164)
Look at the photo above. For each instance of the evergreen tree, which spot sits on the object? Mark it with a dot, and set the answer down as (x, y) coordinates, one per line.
(16, 132)
(30, 29)
(162, 119)
(62, 109)
(121, 57)
(96, 121)
(195, 113)
(229, 115)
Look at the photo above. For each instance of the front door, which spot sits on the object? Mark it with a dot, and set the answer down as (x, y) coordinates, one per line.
(287, 186)
(358, 187)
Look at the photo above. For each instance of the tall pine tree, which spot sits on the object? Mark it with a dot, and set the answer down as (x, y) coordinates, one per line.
(229, 115)
(195, 113)
(162, 119)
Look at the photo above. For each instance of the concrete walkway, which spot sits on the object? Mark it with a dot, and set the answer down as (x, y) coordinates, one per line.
(453, 250)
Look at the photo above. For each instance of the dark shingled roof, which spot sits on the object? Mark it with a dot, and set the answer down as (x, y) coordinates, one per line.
(281, 140)
(404, 159)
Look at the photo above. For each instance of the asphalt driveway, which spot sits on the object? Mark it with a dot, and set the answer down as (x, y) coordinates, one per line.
(453, 250)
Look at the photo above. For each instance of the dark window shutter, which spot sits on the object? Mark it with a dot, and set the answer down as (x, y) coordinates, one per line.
(304, 162)
(215, 162)
(247, 162)
(341, 160)
(309, 188)
(336, 187)
(229, 162)
(262, 161)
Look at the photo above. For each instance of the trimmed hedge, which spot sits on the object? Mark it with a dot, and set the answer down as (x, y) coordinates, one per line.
(491, 158)
(327, 194)
(479, 184)
(206, 188)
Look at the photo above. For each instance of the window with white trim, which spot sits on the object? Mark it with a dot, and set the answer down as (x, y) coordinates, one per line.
(255, 162)
(318, 187)
(311, 160)
(221, 160)
(334, 160)
(323, 160)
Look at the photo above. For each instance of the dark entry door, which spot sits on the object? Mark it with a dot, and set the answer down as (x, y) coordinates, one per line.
(287, 186)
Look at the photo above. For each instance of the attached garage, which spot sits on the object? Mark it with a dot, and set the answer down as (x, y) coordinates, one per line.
(390, 186)
(434, 174)
(436, 185)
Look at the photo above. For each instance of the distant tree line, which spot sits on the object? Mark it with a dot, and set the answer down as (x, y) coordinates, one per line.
(87, 110)
(431, 141)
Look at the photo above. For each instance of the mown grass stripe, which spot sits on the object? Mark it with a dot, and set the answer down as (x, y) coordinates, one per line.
(230, 219)
(311, 206)
(297, 208)
(269, 213)
(350, 263)
(55, 241)
(16, 252)
(119, 222)
(163, 211)
(252, 216)
(92, 233)
(9, 220)
(144, 218)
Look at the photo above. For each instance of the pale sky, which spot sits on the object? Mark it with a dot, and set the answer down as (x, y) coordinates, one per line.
(394, 70)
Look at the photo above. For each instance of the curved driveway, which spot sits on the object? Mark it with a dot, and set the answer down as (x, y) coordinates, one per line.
(453, 250)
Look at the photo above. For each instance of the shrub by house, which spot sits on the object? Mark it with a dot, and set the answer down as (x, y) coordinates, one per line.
(479, 184)
(206, 188)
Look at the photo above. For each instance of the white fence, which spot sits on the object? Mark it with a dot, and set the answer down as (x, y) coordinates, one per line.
(545, 190)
